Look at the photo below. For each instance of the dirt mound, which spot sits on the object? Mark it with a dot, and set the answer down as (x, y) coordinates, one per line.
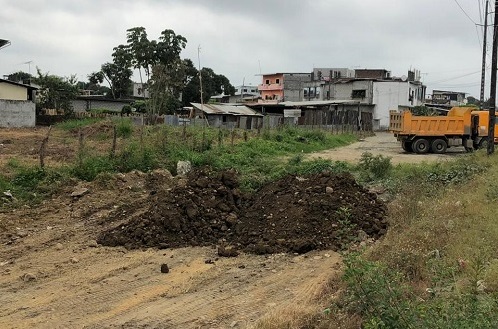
(294, 214)
(199, 213)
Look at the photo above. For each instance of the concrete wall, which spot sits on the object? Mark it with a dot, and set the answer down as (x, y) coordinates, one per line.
(344, 91)
(13, 92)
(293, 86)
(389, 95)
(15, 114)
(81, 105)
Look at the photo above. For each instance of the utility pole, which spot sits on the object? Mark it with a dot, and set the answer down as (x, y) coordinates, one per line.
(483, 74)
(200, 76)
(492, 96)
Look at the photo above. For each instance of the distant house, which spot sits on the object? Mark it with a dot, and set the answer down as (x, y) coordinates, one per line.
(88, 103)
(447, 98)
(17, 106)
(140, 90)
(228, 115)
(280, 87)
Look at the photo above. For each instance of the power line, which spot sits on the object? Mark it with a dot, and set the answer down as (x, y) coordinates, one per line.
(456, 1)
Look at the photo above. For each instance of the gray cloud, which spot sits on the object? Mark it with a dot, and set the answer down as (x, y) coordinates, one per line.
(238, 38)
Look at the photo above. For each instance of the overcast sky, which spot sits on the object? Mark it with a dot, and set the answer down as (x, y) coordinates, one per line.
(241, 39)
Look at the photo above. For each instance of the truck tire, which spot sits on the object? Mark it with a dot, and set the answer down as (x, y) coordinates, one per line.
(439, 146)
(421, 146)
(407, 146)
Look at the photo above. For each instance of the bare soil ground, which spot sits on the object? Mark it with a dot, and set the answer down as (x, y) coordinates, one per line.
(385, 144)
(54, 274)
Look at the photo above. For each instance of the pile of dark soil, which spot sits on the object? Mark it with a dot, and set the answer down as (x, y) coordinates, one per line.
(294, 214)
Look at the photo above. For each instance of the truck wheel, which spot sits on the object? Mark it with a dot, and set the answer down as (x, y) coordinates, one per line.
(421, 146)
(407, 146)
(439, 146)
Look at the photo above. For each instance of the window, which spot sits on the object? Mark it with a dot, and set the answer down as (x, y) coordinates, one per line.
(277, 81)
(245, 90)
(305, 92)
(224, 118)
(267, 81)
(359, 93)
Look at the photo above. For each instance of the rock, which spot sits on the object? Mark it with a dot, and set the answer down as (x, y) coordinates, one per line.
(234, 324)
(183, 167)
(22, 234)
(208, 261)
(232, 218)
(362, 235)
(121, 177)
(227, 252)
(329, 190)
(92, 244)
(78, 193)
(27, 277)
(164, 268)
(59, 246)
(74, 260)
(8, 194)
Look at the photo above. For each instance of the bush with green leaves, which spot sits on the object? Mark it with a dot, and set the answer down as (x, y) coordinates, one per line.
(374, 166)
(385, 299)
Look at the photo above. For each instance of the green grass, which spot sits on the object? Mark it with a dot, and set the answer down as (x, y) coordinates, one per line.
(73, 124)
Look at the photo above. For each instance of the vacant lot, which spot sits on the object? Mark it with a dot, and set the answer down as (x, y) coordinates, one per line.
(53, 274)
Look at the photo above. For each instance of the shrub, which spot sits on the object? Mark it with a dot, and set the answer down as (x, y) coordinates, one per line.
(375, 166)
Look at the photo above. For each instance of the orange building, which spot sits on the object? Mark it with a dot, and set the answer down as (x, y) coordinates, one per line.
(280, 87)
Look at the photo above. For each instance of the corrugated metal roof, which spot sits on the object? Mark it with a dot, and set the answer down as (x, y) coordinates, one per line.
(319, 103)
(229, 109)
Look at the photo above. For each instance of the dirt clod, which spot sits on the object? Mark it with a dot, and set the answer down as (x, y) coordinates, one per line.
(164, 268)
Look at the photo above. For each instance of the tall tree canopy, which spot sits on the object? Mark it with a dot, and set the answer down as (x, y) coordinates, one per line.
(167, 77)
(56, 92)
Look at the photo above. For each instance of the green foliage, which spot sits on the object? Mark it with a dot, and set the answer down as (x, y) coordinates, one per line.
(124, 128)
(31, 184)
(74, 124)
(56, 92)
(385, 300)
(374, 166)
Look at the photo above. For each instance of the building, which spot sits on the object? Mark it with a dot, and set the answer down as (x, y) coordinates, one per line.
(372, 74)
(280, 87)
(228, 115)
(329, 74)
(384, 94)
(98, 102)
(17, 104)
(139, 90)
(447, 98)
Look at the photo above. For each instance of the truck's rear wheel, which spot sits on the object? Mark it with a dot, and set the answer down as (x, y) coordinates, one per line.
(407, 146)
(421, 146)
(439, 146)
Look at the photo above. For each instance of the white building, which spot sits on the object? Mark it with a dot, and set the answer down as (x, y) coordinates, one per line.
(139, 90)
(391, 95)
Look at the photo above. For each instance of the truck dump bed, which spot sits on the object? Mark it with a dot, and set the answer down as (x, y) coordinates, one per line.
(455, 123)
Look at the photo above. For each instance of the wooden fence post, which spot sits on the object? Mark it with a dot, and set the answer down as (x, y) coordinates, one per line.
(42, 148)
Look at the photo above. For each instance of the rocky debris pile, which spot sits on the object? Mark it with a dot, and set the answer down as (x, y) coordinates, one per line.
(197, 214)
(293, 214)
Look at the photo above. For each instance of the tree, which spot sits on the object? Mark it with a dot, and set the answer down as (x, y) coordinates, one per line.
(19, 76)
(160, 58)
(212, 84)
(56, 92)
(117, 74)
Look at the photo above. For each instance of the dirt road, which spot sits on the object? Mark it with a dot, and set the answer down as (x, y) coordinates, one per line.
(384, 144)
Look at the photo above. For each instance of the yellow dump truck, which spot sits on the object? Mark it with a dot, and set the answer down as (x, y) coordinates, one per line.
(462, 126)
